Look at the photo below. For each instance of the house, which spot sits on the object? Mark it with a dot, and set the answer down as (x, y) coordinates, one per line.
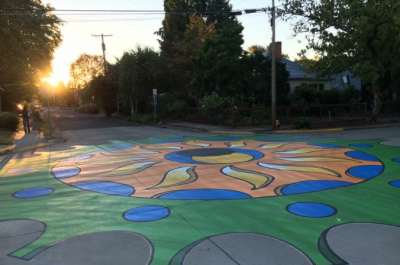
(298, 74)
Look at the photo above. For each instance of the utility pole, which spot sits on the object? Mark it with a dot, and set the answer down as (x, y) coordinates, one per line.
(273, 81)
(103, 45)
(1, 90)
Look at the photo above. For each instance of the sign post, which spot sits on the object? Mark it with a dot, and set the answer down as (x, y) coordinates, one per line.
(155, 105)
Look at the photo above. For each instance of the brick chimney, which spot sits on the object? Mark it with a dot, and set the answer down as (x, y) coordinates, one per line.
(278, 50)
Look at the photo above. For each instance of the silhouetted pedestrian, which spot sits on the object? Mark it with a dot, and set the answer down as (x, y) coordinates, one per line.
(25, 119)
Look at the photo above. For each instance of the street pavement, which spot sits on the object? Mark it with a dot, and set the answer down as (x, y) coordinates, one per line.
(123, 193)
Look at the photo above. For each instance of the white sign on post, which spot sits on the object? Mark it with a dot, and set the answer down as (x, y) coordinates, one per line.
(154, 92)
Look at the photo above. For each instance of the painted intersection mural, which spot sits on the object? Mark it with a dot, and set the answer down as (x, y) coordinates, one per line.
(208, 200)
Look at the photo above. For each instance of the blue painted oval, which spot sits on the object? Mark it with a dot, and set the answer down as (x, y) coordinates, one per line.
(66, 172)
(188, 159)
(361, 145)
(146, 213)
(325, 145)
(311, 209)
(32, 193)
(205, 194)
(395, 183)
(79, 158)
(365, 172)
(396, 160)
(111, 188)
(362, 156)
(313, 185)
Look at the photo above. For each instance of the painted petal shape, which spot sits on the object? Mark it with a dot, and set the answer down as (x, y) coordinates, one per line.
(128, 153)
(258, 180)
(110, 162)
(309, 169)
(301, 151)
(129, 169)
(316, 159)
(194, 143)
(236, 144)
(177, 176)
(155, 147)
(271, 145)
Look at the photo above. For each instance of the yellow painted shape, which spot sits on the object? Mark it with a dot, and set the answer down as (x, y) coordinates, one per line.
(272, 145)
(258, 180)
(155, 147)
(231, 158)
(194, 143)
(302, 151)
(236, 144)
(129, 169)
(309, 169)
(128, 153)
(178, 176)
(317, 159)
(231, 132)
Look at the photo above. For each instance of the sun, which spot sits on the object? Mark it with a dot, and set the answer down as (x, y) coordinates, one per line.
(52, 80)
(207, 169)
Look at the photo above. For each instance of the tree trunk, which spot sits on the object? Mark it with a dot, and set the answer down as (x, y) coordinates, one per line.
(377, 107)
(132, 111)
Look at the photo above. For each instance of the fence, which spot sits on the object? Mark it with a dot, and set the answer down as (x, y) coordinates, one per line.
(286, 114)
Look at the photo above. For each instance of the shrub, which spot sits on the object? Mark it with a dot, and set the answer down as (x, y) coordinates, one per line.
(350, 94)
(9, 121)
(304, 95)
(213, 102)
(177, 108)
(143, 118)
(330, 96)
(302, 123)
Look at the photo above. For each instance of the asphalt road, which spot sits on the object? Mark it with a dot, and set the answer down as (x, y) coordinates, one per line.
(68, 120)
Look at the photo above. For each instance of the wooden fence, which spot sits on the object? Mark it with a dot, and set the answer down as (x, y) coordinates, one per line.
(351, 114)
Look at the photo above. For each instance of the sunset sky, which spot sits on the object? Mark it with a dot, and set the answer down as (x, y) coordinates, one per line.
(130, 30)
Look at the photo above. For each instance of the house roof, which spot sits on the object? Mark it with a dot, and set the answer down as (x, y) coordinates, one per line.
(296, 71)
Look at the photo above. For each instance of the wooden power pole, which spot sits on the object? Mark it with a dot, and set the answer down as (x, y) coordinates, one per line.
(273, 75)
(103, 45)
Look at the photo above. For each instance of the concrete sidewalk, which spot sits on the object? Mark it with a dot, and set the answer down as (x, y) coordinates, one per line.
(34, 139)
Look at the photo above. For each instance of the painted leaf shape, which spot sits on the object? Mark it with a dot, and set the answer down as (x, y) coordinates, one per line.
(316, 159)
(155, 147)
(309, 169)
(271, 145)
(129, 169)
(301, 151)
(194, 143)
(128, 153)
(176, 177)
(110, 162)
(258, 180)
(236, 144)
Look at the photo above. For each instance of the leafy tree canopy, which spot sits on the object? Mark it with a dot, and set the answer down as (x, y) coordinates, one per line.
(259, 48)
(361, 36)
(29, 34)
(84, 69)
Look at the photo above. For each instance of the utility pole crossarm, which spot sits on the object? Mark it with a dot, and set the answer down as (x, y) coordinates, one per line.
(103, 46)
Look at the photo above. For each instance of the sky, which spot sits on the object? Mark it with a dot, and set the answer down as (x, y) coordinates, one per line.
(129, 31)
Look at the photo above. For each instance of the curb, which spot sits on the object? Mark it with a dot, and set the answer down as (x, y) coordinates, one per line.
(40, 145)
(311, 131)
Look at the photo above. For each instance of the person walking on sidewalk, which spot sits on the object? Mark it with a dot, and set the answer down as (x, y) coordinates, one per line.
(25, 119)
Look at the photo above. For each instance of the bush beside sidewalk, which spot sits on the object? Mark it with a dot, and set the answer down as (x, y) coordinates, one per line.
(38, 137)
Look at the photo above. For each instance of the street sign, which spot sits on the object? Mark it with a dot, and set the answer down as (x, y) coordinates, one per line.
(154, 92)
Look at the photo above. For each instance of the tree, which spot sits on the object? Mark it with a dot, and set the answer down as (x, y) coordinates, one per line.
(197, 32)
(217, 66)
(29, 34)
(138, 75)
(85, 68)
(259, 48)
(360, 36)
